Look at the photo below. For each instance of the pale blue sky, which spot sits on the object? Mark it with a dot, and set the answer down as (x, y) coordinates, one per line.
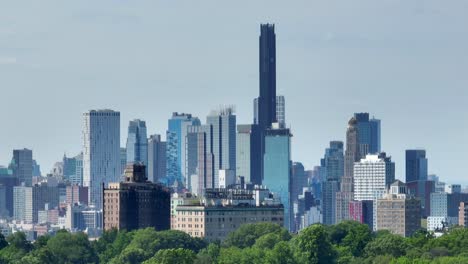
(404, 61)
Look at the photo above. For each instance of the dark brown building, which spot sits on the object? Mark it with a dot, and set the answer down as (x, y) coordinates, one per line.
(136, 202)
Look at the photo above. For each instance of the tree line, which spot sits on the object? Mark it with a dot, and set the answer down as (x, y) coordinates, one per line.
(347, 242)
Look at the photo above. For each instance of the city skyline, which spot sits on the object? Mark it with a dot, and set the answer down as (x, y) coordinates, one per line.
(412, 117)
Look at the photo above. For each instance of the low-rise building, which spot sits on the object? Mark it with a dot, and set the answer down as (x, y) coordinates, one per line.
(222, 211)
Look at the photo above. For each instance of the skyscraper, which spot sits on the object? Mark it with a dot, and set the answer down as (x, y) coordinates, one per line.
(280, 110)
(22, 166)
(223, 127)
(137, 142)
(206, 159)
(267, 69)
(375, 144)
(248, 156)
(101, 151)
(372, 177)
(333, 167)
(352, 154)
(278, 167)
(175, 146)
(416, 165)
(156, 158)
(123, 160)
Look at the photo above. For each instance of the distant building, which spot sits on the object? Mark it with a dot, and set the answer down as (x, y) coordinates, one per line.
(101, 152)
(77, 177)
(372, 176)
(156, 158)
(77, 195)
(398, 212)
(23, 204)
(463, 214)
(248, 156)
(422, 189)
(280, 111)
(332, 166)
(22, 166)
(69, 168)
(416, 165)
(445, 209)
(223, 128)
(362, 212)
(137, 142)
(123, 161)
(136, 203)
(7, 183)
(222, 211)
(81, 218)
(175, 146)
(277, 167)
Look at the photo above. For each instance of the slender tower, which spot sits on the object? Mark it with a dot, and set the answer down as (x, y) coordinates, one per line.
(352, 154)
(267, 67)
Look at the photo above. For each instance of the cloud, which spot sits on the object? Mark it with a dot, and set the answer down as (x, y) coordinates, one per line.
(7, 60)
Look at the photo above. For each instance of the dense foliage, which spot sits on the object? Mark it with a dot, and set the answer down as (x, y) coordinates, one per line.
(347, 242)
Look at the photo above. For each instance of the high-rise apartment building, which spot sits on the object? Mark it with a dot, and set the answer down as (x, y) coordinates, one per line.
(137, 142)
(175, 147)
(223, 127)
(23, 204)
(373, 176)
(101, 152)
(22, 166)
(136, 203)
(76, 194)
(332, 166)
(248, 156)
(77, 177)
(156, 158)
(277, 168)
(398, 212)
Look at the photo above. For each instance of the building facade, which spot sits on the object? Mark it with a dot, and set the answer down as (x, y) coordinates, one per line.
(101, 152)
(136, 203)
(398, 212)
(416, 165)
(175, 147)
(22, 166)
(223, 132)
(277, 168)
(156, 158)
(248, 155)
(333, 168)
(137, 142)
(222, 211)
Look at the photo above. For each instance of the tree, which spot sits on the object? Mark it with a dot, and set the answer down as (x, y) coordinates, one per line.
(71, 248)
(350, 234)
(18, 247)
(169, 256)
(3, 242)
(387, 244)
(313, 246)
(247, 234)
(280, 254)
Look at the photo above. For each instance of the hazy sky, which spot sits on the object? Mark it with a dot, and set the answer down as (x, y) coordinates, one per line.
(404, 61)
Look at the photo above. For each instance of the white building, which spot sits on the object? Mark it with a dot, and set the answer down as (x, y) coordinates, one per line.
(226, 178)
(101, 151)
(372, 177)
(23, 203)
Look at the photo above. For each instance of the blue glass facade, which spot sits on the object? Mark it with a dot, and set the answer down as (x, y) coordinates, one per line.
(175, 146)
(368, 134)
(332, 165)
(137, 142)
(416, 165)
(277, 168)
